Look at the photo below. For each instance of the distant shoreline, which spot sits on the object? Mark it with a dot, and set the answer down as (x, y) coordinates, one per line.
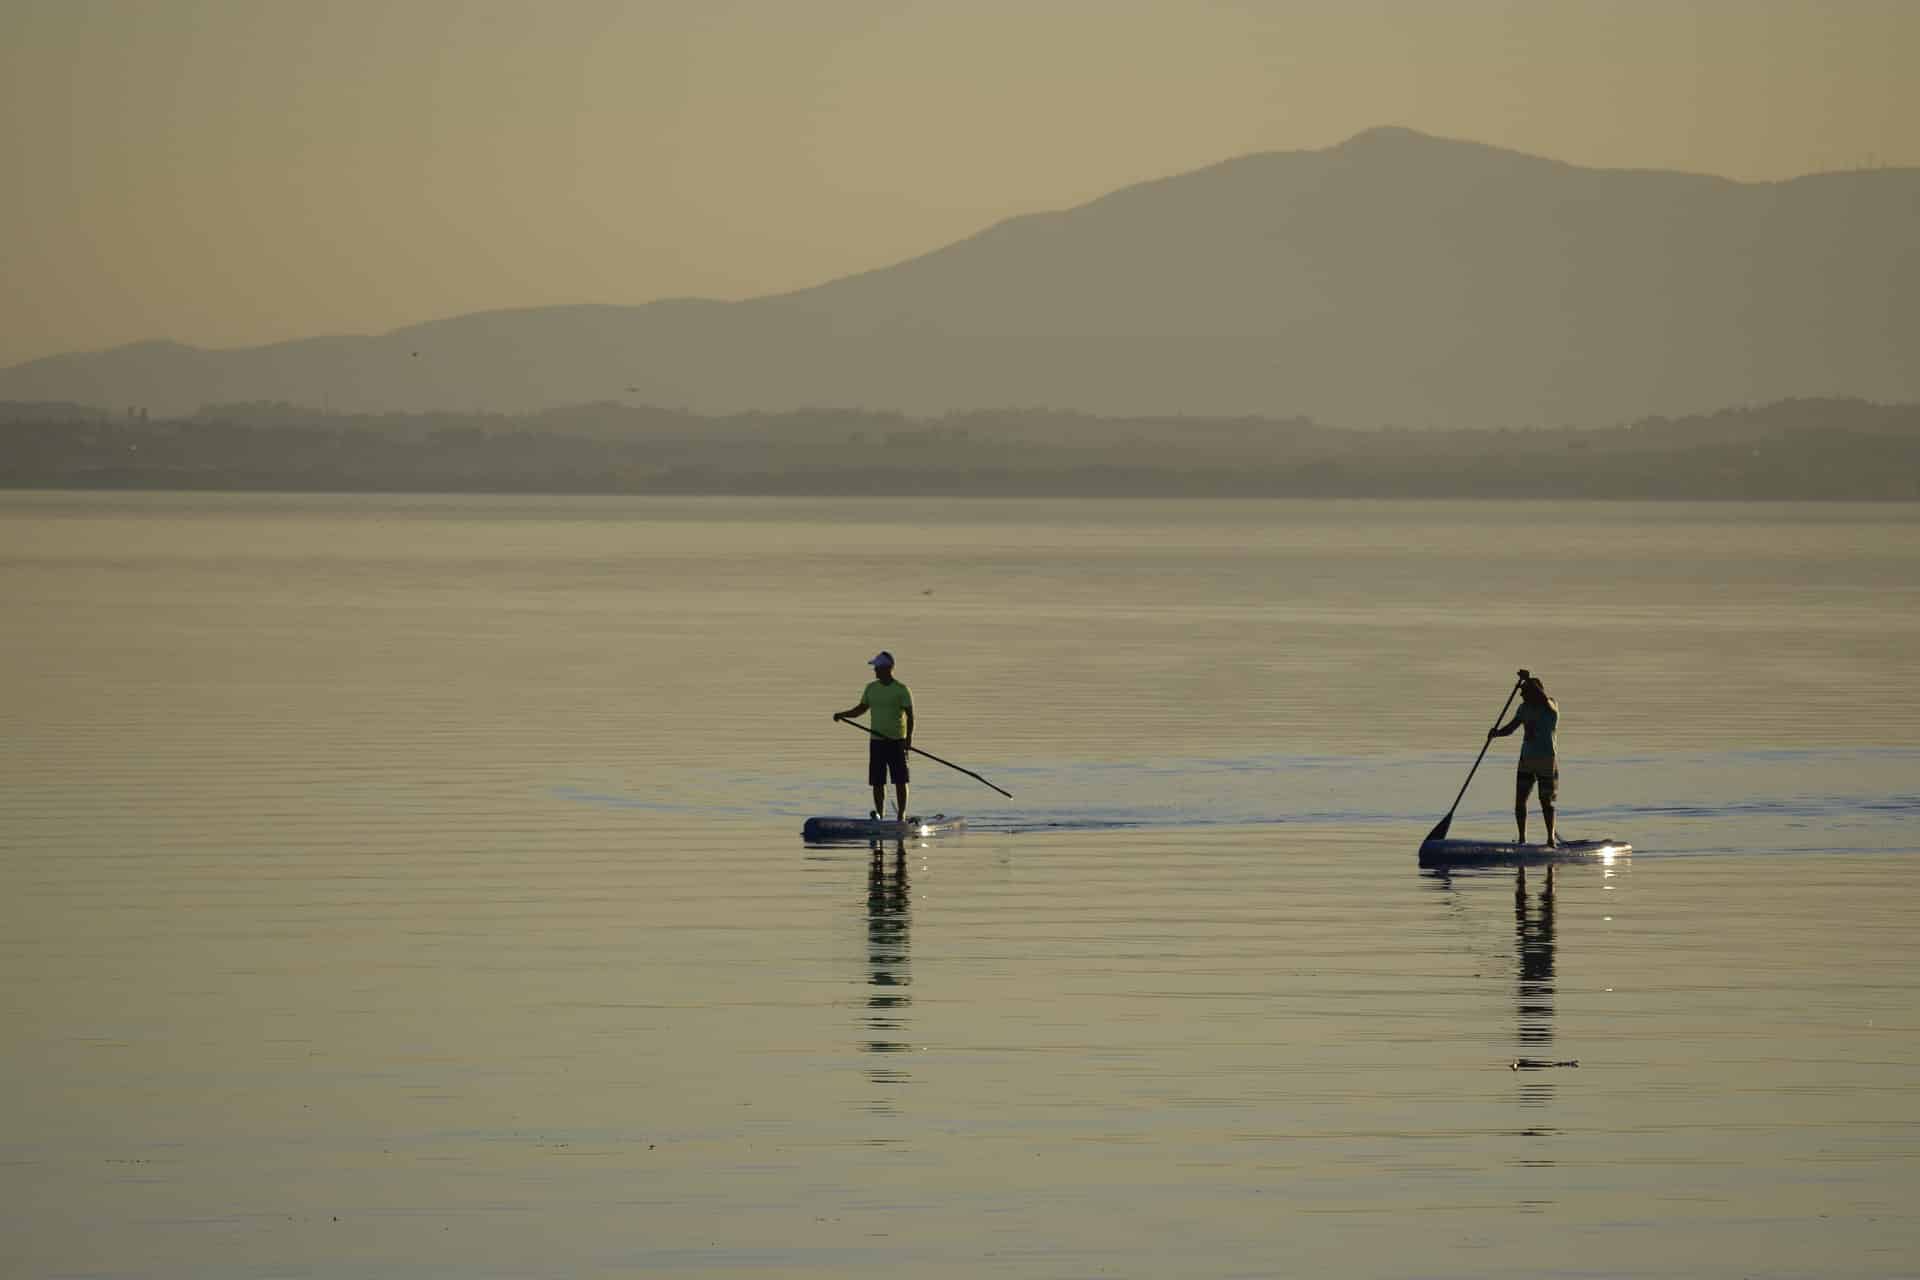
(822, 496)
(1797, 450)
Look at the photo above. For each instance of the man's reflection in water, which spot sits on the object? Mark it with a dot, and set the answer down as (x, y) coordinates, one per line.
(888, 898)
(1533, 998)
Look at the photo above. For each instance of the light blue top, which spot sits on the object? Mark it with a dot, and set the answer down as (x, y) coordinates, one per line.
(1541, 720)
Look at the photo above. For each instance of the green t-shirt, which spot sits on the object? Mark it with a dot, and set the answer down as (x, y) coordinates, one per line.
(888, 702)
(1542, 720)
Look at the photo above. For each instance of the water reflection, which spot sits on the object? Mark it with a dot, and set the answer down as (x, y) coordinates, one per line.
(1533, 995)
(1535, 955)
(888, 979)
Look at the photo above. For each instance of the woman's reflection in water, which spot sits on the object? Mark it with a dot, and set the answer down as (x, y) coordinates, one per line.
(1533, 998)
(888, 898)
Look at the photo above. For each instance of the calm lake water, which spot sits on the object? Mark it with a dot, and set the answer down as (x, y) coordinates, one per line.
(403, 887)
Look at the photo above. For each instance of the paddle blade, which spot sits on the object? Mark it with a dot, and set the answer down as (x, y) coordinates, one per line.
(1440, 828)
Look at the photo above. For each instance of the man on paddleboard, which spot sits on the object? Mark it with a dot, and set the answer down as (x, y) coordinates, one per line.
(1540, 716)
(891, 703)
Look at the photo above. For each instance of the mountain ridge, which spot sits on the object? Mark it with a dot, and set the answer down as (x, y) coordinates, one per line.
(1394, 277)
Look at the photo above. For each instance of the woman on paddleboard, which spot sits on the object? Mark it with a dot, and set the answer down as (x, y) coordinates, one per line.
(1540, 716)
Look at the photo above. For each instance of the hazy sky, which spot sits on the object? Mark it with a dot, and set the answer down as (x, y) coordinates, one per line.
(226, 172)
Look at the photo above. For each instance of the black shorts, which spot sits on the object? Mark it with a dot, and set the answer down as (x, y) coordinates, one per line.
(884, 756)
(1549, 778)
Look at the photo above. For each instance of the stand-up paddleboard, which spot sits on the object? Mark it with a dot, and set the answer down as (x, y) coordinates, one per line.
(832, 830)
(1494, 853)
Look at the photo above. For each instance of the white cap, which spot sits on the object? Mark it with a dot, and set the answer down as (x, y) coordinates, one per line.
(881, 659)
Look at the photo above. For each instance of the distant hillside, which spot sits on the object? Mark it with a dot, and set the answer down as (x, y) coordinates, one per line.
(1830, 449)
(1393, 279)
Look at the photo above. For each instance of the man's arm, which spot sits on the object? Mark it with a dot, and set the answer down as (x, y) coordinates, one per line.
(908, 709)
(854, 711)
(1506, 728)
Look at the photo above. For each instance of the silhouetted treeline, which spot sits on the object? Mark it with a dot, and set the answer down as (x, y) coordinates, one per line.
(1796, 449)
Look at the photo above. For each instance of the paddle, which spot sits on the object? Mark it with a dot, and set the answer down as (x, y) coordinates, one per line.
(1439, 831)
(928, 754)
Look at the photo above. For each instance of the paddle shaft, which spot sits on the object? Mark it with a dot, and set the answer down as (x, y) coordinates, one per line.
(1439, 831)
(875, 733)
